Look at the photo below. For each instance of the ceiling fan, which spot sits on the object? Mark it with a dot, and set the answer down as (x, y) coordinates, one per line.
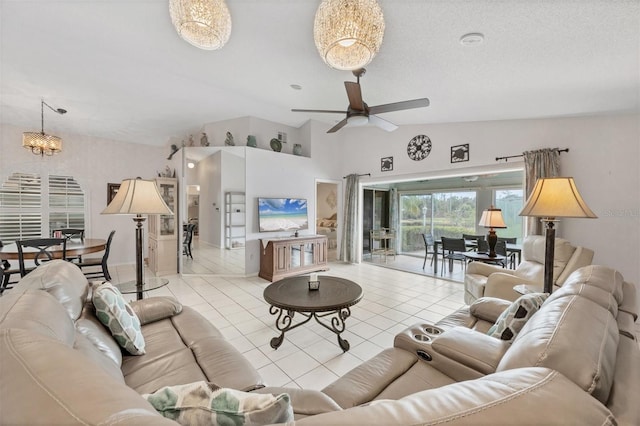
(359, 113)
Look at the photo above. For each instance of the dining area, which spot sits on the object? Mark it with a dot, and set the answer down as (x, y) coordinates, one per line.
(473, 248)
(20, 257)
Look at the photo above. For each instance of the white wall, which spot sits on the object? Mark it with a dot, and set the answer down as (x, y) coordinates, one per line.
(93, 162)
(603, 158)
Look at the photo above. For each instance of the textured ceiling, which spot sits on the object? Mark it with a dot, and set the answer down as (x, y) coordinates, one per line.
(123, 73)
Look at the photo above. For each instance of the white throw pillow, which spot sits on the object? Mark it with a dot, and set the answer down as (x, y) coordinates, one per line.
(115, 313)
(511, 321)
(204, 403)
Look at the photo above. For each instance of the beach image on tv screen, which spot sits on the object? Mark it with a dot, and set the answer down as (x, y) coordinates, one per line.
(282, 214)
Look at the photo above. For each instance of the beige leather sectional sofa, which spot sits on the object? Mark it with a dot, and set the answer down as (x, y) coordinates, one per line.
(576, 361)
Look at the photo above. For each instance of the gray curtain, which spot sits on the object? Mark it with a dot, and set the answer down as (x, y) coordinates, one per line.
(349, 246)
(539, 164)
(395, 218)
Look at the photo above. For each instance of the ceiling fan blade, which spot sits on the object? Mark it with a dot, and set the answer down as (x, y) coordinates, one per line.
(383, 124)
(355, 96)
(319, 110)
(338, 126)
(397, 106)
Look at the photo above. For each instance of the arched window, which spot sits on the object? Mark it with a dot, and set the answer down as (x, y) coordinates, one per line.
(31, 205)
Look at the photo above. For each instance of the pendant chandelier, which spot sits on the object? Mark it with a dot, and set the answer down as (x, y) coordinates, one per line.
(348, 33)
(206, 24)
(40, 143)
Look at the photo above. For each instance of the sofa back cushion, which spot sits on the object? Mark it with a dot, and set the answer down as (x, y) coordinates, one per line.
(533, 250)
(63, 280)
(37, 311)
(572, 335)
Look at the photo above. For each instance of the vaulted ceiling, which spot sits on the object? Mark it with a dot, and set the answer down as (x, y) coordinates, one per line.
(123, 73)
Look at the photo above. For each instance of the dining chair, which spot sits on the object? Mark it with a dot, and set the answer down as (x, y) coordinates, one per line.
(70, 234)
(188, 239)
(98, 261)
(44, 253)
(453, 249)
(476, 238)
(512, 255)
(428, 244)
(501, 249)
(7, 271)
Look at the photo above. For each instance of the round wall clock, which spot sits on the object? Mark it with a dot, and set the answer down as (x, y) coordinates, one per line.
(419, 147)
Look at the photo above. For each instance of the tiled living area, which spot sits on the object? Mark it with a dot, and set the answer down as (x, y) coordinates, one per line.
(310, 356)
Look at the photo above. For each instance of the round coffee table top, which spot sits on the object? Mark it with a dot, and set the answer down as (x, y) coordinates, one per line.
(484, 257)
(293, 294)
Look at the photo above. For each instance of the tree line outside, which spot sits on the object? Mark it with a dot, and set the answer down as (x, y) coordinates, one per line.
(451, 214)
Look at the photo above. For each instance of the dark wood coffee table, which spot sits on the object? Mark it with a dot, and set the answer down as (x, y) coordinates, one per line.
(333, 299)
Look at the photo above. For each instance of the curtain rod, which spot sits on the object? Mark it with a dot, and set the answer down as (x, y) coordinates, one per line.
(364, 174)
(522, 155)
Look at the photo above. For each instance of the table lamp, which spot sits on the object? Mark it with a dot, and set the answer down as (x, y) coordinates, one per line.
(552, 198)
(492, 218)
(138, 196)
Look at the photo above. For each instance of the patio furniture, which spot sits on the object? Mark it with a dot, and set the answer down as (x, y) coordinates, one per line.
(453, 249)
(428, 244)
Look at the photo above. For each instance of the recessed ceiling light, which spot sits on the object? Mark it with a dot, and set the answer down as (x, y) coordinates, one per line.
(472, 39)
(190, 165)
(295, 86)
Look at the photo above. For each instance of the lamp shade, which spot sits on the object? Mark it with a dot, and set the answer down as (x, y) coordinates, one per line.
(348, 33)
(492, 218)
(137, 196)
(556, 197)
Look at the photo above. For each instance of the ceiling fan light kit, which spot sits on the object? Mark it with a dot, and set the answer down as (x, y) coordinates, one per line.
(206, 24)
(348, 33)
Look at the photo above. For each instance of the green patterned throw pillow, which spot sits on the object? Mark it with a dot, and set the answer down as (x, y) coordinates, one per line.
(511, 321)
(115, 313)
(204, 403)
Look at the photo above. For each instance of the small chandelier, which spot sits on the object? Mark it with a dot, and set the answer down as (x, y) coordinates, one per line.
(348, 33)
(41, 143)
(206, 24)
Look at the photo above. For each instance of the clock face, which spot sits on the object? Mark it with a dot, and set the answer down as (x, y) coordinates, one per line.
(419, 147)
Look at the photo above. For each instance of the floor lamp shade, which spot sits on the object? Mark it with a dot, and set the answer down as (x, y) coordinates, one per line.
(492, 218)
(138, 196)
(552, 198)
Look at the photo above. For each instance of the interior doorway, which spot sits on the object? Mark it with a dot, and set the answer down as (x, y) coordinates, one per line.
(327, 215)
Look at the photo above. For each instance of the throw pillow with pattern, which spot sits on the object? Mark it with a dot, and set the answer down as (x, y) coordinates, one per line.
(204, 403)
(115, 313)
(511, 321)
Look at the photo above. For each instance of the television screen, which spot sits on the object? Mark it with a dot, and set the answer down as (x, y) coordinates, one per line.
(282, 214)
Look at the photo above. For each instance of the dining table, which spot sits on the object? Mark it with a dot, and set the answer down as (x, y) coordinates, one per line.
(511, 248)
(74, 248)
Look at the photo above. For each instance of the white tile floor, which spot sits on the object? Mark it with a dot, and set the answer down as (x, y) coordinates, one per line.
(310, 356)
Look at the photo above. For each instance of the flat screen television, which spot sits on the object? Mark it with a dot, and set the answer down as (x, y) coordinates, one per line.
(282, 214)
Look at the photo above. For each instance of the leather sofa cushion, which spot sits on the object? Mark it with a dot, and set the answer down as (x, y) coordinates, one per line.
(63, 280)
(60, 383)
(187, 348)
(90, 327)
(574, 336)
(368, 380)
(510, 397)
(463, 318)
(92, 352)
(489, 308)
(601, 277)
(421, 376)
(50, 318)
(155, 308)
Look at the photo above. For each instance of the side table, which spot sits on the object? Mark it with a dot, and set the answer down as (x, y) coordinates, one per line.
(149, 284)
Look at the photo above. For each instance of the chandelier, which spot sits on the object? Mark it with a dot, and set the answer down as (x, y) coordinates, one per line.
(206, 24)
(348, 33)
(41, 143)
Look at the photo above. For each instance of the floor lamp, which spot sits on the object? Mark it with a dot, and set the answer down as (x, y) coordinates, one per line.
(552, 198)
(138, 196)
(492, 218)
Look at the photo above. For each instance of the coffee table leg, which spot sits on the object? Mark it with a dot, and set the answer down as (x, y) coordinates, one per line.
(284, 323)
(337, 324)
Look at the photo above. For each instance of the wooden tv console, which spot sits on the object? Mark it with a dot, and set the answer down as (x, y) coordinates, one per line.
(288, 256)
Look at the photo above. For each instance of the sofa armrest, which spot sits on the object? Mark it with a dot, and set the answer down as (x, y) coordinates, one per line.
(304, 401)
(488, 308)
(500, 285)
(471, 348)
(155, 308)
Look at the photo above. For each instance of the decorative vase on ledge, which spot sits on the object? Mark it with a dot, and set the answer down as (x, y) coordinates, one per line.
(297, 149)
(251, 141)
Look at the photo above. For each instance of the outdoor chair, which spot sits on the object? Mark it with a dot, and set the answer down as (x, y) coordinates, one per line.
(429, 248)
(453, 249)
